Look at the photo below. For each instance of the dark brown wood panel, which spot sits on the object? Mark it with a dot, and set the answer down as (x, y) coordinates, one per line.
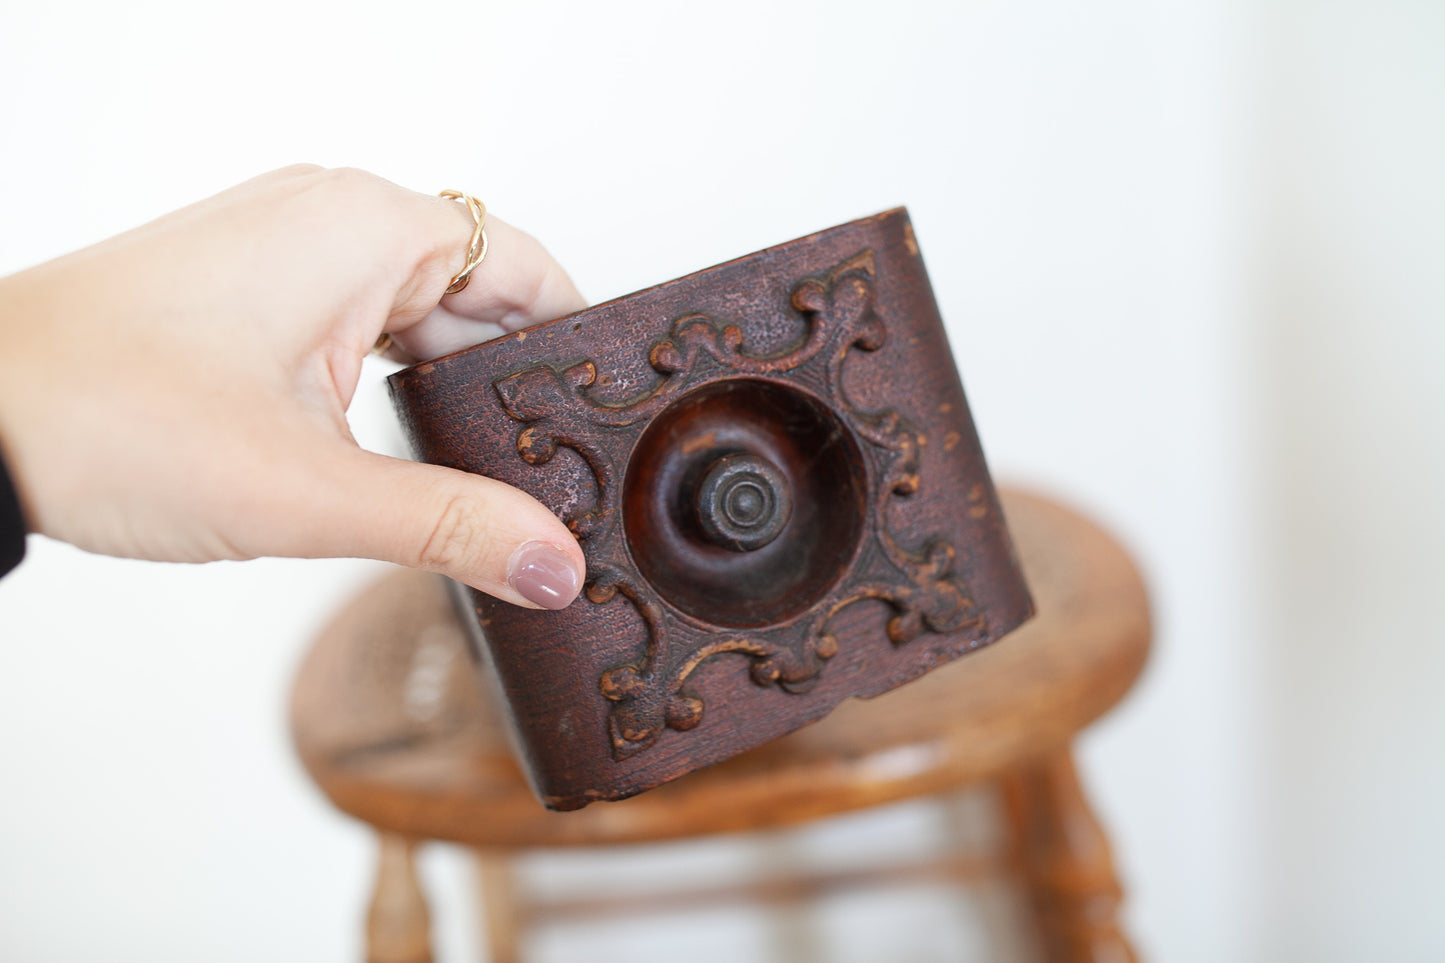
(772, 470)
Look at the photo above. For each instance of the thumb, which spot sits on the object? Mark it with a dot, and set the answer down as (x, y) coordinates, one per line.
(474, 529)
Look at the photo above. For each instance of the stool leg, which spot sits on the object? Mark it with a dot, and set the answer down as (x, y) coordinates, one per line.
(1066, 863)
(398, 924)
(501, 905)
(789, 910)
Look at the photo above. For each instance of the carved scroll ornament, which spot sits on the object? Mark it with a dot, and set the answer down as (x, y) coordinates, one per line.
(782, 566)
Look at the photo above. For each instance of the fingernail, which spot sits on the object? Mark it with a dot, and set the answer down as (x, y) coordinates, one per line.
(544, 575)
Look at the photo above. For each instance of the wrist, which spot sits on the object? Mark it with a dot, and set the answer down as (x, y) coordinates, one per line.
(15, 396)
(12, 522)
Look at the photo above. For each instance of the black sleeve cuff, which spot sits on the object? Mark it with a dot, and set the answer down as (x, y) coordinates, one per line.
(12, 523)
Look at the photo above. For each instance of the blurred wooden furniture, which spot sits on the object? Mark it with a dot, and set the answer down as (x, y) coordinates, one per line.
(391, 722)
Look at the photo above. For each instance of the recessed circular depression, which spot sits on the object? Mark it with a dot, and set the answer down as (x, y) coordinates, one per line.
(744, 502)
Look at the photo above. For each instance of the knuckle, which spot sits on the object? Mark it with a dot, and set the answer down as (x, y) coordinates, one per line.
(457, 537)
(350, 181)
(299, 170)
(350, 174)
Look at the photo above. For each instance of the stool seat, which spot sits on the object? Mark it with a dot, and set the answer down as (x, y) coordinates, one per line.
(392, 721)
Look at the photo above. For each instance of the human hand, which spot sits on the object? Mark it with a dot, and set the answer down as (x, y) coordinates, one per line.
(179, 392)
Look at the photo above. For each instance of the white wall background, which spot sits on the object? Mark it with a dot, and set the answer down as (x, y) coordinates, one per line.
(1191, 258)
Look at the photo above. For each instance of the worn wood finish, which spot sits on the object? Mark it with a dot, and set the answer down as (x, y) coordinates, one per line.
(1066, 862)
(772, 471)
(390, 720)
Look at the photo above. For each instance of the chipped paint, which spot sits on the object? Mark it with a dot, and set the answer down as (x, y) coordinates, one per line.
(977, 502)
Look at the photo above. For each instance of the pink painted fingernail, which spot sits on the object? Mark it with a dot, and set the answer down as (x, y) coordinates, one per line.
(544, 575)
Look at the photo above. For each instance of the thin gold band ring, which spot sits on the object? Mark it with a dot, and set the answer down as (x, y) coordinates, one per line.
(476, 252)
(477, 247)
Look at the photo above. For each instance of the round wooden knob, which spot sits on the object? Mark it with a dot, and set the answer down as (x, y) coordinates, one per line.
(743, 502)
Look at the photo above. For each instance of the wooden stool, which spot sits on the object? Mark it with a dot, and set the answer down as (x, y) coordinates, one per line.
(390, 720)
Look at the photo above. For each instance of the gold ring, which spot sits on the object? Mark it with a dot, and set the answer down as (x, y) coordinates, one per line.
(477, 247)
(476, 250)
